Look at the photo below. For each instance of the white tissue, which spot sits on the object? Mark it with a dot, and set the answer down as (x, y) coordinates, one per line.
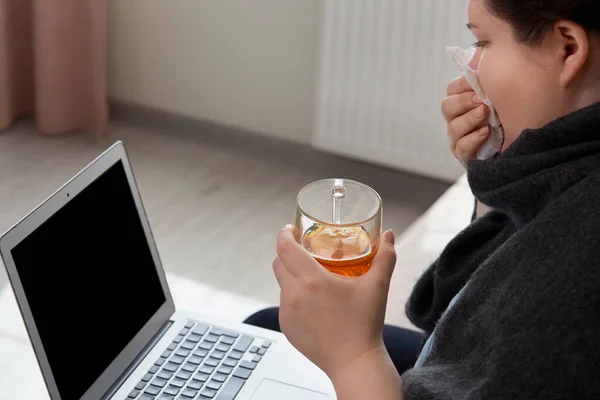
(493, 145)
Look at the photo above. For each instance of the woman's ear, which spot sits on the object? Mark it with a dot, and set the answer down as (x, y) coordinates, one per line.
(573, 50)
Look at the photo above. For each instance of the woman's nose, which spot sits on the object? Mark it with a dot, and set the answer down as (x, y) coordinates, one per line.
(474, 63)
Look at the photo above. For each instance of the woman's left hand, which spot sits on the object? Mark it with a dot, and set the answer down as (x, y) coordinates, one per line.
(331, 319)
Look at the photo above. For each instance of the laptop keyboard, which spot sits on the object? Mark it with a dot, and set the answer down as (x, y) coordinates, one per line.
(202, 362)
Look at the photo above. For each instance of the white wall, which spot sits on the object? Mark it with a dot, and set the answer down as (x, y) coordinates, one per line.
(250, 64)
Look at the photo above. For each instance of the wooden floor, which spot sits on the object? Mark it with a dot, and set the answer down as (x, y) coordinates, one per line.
(215, 203)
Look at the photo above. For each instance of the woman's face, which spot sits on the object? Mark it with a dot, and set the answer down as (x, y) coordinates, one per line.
(521, 81)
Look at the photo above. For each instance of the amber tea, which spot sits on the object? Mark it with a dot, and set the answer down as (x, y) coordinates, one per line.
(339, 223)
(345, 251)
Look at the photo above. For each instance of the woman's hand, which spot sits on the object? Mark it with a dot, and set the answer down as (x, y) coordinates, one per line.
(466, 116)
(332, 320)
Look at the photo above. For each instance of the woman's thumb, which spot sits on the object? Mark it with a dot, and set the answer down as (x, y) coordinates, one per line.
(385, 260)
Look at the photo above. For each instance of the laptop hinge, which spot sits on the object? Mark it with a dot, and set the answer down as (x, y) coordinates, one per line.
(134, 364)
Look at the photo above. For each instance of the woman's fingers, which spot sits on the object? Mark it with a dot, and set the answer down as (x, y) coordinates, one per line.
(385, 260)
(467, 120)
(459, 104)
(469, 145)
(458, 86)
(465, 124)
(297, 261)
(282, 275)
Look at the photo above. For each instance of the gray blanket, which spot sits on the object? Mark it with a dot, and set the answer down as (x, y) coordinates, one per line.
(527, 325)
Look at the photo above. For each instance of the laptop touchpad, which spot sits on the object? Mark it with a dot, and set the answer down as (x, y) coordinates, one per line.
(269, 390)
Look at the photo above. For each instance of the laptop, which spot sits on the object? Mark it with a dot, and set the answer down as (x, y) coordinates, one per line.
(89, 282)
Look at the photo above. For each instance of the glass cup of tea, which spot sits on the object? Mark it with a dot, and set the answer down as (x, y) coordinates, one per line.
(338, 221)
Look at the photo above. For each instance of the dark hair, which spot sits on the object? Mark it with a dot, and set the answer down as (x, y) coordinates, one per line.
(533, 19)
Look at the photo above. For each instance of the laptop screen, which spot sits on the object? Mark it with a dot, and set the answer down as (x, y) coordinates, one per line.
(90, 281)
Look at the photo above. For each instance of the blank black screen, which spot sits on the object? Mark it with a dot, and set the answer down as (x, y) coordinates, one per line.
(90, 281)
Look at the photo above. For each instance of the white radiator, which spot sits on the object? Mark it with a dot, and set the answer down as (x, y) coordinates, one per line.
(382, 76)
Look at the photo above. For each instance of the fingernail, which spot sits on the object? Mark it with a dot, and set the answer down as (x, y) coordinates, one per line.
(484, 131)
(477, 99)
(390, 237)
(480, 112)
(288, 226)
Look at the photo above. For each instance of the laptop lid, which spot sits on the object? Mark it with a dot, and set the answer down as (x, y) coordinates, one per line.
(88, 279)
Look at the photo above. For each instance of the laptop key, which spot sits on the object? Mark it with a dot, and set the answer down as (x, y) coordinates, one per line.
(188, 345)
(262, 351)
(165, 374)
(195, 360)
(165, 397)
(166, 354)
(219, 378)
(178, 339)
(159, 382)
(266, 344)
(223, 347)
(209, 393)
(227, 340)
(206, 345)
(140, 385)
(153, 369)
(172, 346)
(183, 352)
(243, 343)
(177, 360)
(214, 385)
(212, 338)
(189, 324)
(254, 349)
(189, 367)
(224, 369)
(172, 390)
(160, 361)
(230, 362)
(147, 378)
(217, 354)
(184, 331)
(201, 377)
(201, 353)
(212, 362)
(200, 329)
(185, 375)
(146, 396)
(206, 369)
(178, 383)
(225, 332)
(171, 367)
(242, 373)
(194, 338)
(195, 385)
(191, 393)
(256, 358)
(248, 365)
(133, 394)
(152, 390)
(231, 389)
(236, 355)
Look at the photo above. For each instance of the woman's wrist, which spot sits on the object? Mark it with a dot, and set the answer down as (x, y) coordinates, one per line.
(371, 375)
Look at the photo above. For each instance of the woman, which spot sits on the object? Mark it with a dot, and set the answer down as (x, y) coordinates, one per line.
(511, 309)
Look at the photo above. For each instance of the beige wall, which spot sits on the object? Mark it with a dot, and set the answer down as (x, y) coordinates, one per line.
(250, 64)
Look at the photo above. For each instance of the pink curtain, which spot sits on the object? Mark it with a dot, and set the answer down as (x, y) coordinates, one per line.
(53, 64)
